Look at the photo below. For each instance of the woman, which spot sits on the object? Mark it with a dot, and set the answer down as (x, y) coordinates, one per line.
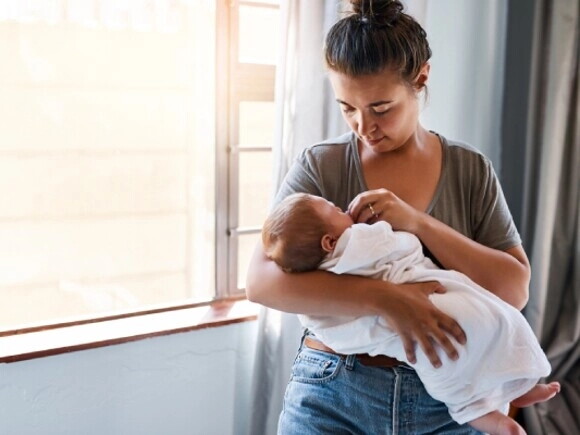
(388, 168)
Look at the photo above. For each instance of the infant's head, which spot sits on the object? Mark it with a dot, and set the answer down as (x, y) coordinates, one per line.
(302, 230)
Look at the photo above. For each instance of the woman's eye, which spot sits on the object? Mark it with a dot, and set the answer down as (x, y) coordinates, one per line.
(381, 111)
(347, 109)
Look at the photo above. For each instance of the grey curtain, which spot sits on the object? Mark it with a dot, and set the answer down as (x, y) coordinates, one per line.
(541, 168)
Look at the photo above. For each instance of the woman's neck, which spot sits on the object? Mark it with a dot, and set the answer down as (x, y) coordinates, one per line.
(412, 171)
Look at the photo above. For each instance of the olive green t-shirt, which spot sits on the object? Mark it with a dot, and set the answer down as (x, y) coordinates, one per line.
(468, 197)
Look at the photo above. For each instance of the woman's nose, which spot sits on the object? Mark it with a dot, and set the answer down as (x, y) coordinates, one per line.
(365, 125)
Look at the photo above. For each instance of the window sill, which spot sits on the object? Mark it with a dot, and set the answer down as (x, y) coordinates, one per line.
(39, 343)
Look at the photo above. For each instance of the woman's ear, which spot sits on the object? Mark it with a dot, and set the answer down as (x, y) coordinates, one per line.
(422, 77)
(328, 243)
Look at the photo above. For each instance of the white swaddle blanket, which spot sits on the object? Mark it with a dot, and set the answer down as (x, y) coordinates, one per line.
(502, 358)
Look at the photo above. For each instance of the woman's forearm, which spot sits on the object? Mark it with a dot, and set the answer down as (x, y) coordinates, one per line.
(506, 274)
(407, 308)
(313, 293)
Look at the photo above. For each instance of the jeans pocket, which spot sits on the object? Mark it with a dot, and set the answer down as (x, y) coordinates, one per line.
(315, 367)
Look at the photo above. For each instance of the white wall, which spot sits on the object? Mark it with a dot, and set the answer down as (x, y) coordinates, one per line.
(190, 383)
(467, 38)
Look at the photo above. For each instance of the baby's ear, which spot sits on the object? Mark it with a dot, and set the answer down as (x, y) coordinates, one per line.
(328, 243)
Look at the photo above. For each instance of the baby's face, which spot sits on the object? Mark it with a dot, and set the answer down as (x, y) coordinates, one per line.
(338, 220)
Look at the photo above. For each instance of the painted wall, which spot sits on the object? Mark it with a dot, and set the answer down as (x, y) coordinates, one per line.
(465, 86)
(190, 383)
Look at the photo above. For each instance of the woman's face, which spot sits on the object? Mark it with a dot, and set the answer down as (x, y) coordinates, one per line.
(381, 109)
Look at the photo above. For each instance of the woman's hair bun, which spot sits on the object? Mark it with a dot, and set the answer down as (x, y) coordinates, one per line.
(374, 35)
(378, 12)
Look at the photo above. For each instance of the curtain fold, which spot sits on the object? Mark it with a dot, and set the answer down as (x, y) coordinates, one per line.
(306, 113)
(550, 214)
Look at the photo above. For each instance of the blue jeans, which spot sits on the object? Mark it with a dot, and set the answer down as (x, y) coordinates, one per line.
(328, 394)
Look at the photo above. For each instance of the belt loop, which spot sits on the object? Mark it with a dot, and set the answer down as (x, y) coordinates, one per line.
(305, 333)
(350, 359)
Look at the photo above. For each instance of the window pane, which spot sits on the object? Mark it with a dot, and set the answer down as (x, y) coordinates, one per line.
(106, 161)
(259, 35)
(257, 123)
(255, 187)
(246, 245)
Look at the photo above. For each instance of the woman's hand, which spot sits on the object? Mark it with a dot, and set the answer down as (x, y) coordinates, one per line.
(411, 314)
(382, 204)
(406, 307)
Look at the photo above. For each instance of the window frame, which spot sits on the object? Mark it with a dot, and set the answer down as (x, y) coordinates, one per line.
(245, 82)
(235, 82)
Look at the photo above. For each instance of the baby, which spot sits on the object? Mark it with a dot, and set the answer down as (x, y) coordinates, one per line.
(502, 360)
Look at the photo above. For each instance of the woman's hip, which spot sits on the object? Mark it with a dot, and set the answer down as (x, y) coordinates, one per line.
(328, 393)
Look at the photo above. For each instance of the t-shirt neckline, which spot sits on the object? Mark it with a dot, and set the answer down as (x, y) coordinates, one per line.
(442, 175)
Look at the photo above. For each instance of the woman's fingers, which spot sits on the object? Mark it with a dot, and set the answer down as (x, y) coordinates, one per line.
(428, 349)
(430, 287)
(426, 345)
(367, 215)
(359, 208)
(429, 340)
(419, 322)
(450, 326)
(409, 346)
(443, 340)
(382, 204)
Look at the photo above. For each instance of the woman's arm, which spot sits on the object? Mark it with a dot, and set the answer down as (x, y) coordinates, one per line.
(504, 273)
(406, 308)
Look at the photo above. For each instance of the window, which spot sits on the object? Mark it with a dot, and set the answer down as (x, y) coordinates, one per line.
(135, 159)
(251, 132)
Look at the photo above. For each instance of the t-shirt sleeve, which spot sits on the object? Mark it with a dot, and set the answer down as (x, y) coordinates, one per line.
(493, 225)
(300, 178)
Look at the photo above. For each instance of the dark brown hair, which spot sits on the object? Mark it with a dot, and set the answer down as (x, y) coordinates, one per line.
(377, 35)
(292, 234)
